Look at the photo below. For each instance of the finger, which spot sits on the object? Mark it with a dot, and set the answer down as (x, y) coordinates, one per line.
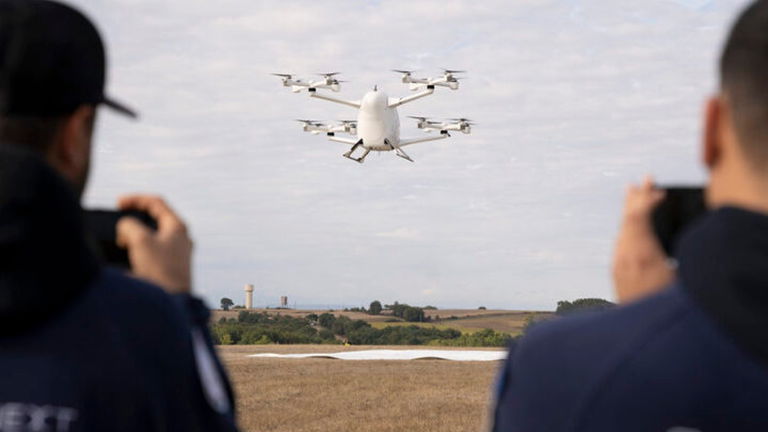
(632, 190)
(166, 218)
(657, 197)
(130, 231)
(648, 183)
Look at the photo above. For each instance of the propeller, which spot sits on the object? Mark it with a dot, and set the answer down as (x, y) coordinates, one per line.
(419, 118)
(402, 71)
(463, 120)
(310, 122)
(328, 75)
(449, 71)
(347, 121)
(288, 76)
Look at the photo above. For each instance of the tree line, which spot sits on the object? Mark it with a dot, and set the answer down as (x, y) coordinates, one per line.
(261, 328)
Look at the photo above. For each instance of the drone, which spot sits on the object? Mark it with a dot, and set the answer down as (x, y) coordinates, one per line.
(297, 85)
(462, 125)
(448, 79)
(316, 127)
(377, 127)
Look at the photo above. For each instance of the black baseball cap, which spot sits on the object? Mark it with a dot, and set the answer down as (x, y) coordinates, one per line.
(52, 60)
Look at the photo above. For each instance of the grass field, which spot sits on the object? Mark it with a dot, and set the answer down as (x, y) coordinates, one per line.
(314, 395)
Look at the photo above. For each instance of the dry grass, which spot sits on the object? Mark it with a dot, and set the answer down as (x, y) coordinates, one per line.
(509, 322)
(308, 395)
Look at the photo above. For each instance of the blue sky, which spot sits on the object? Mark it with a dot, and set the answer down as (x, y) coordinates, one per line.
(574, 99)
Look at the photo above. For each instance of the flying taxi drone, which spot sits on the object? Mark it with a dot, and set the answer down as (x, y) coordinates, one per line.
(377, 127)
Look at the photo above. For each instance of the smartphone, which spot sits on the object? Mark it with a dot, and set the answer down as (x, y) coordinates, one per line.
(101, 228)
(680, 207)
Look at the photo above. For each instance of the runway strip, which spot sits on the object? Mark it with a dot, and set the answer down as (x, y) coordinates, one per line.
(398, 355)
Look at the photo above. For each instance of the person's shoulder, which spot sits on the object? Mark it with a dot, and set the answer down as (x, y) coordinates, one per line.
(135, 301)
(563, 363)
(120, 286)
(592, 340)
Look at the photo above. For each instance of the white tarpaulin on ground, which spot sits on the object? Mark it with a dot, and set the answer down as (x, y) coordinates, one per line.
(399, 355)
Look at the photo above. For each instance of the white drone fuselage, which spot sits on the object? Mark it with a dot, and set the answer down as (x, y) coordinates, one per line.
(378, 124)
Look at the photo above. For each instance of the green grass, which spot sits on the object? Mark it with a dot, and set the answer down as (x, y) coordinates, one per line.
(467, 330)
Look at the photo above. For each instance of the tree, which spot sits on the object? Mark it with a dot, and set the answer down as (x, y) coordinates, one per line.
(413, 314)
(226, 303)
(375, 308)
(565, 307)
(326, 320)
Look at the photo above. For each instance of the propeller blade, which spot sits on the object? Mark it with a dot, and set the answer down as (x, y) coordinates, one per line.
(449, 71)
(406, 72)
(329, 74)
(419, 118)
(311, 122)
(283, 75)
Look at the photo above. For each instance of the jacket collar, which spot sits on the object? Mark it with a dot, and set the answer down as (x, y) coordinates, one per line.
(724, 266)
(44, 260)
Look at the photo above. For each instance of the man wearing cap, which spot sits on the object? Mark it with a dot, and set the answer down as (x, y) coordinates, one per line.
(84, 347)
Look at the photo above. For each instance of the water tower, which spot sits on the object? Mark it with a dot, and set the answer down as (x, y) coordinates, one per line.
(249, 296)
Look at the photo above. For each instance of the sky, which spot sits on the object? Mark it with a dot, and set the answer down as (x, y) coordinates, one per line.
(573, 99)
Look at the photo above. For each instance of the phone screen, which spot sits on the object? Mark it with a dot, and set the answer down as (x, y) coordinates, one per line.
(680, 207)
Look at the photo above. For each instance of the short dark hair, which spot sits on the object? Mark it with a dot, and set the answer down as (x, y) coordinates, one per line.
(744, 80)
(36, 133)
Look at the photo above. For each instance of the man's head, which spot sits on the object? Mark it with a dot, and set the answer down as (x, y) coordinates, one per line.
(736, 137)
(52, 75)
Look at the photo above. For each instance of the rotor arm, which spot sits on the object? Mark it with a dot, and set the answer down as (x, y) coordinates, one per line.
(405, 100)
(404, 143)
(349, 141)
(317, 95)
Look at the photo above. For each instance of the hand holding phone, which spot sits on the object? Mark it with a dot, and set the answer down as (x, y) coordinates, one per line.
(162, 256)
(640, 266)
(101, 226)
(679, 208)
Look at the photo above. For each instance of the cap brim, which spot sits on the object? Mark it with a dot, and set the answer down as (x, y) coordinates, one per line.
(120, 108)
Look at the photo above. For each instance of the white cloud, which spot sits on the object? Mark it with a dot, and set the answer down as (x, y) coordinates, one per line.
(401, 233)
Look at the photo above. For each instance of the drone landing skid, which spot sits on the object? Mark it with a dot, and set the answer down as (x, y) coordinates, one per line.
(398, 151)
(360, 159)
(402, 154)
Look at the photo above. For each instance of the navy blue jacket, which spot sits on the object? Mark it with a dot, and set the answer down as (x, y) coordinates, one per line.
(694, 357)
(84, 347)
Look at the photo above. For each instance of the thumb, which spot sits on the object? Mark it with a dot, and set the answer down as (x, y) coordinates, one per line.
(130, 232)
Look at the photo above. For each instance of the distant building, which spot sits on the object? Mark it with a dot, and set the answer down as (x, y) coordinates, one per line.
(284, 301)
(248, 296)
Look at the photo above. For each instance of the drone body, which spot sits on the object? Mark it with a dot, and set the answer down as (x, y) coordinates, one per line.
(377, 127)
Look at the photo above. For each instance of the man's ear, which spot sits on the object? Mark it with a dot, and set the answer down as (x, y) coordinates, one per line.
(712, 145)
(72, 146)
